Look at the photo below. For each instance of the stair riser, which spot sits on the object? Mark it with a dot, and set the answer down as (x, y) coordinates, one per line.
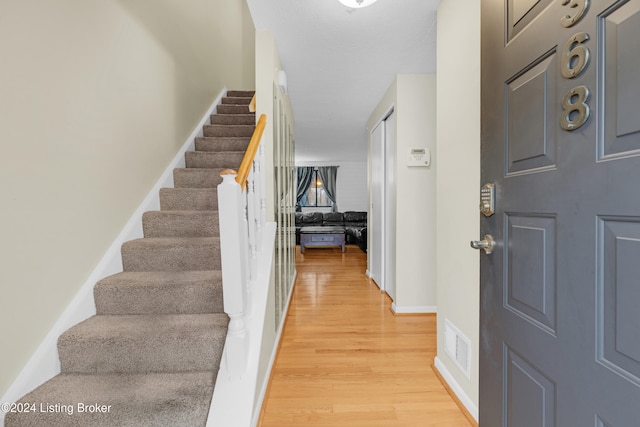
(175, 199)
(241, 93)
(228, 130)
(236, 100)
(168, 299)
(233, 109)
(180, 224)
(145, 255)
(203, 159)
(197, 351)
(233, 119)
(222, 144)
(196, 178)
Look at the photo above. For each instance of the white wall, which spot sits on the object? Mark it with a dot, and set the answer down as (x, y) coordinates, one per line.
(458, 135)
(97, 97)
(351, 183)
(414, 98)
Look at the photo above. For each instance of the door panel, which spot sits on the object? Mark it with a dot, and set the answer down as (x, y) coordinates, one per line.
(520, 13)
(530, 395)
(530, 145)
(531, 286)
(619, 294)
(560, 325)
(620, 58)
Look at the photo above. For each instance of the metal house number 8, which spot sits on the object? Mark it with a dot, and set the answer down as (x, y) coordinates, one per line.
(575, 110)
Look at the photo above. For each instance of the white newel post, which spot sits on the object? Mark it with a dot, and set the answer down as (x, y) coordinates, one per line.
(233, 251)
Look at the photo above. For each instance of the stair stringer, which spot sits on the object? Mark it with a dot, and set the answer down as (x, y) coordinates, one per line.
(44, 363)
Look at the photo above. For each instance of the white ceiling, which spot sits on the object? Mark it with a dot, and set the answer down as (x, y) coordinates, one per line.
(339, 63)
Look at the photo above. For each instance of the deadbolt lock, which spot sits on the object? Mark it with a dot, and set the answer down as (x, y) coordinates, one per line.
(488, 199)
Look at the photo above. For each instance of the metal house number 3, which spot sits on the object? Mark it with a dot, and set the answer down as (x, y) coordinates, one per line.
(575, 58)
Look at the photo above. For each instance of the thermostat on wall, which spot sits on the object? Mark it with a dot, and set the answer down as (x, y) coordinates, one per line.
(419, 157)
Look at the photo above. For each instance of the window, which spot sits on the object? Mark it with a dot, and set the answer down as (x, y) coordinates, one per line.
(316, 195)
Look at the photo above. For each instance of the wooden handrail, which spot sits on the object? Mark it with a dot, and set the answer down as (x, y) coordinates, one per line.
(252, 104)
(250, 154)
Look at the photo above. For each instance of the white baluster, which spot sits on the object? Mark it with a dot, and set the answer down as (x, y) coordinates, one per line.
(251, 204)
(258, 179)
(263, 200)
(246, 251)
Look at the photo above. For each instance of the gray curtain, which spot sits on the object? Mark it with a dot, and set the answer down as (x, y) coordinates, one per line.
(328, 175)
(305, 173)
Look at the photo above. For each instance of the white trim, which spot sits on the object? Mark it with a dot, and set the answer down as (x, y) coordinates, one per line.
(274, 353)
(414, 309)
(44, 363)
(457, 388)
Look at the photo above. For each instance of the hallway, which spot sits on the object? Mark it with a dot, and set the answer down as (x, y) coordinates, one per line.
(346, 360)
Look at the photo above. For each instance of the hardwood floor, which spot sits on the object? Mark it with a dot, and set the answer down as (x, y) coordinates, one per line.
(346, 360)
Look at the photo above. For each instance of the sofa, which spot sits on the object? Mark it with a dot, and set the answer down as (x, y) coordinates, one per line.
(354, 223)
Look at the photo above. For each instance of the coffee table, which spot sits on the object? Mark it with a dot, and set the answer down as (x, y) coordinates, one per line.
(321, 236)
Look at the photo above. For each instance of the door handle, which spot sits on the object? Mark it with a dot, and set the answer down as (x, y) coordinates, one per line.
(487, 244)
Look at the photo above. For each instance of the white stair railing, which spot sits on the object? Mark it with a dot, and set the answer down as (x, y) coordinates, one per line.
(240, 202)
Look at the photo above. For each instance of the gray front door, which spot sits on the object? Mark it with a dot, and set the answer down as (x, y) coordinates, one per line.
(560, 293)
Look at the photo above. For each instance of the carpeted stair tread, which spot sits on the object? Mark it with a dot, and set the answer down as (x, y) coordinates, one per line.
(229, 130)
(180, 224)
(144, 343)
(241, 93)
(193, 199)
(233, 119)
(160, 292)
(154, 399)
(205, 159)
(232, 109)
(171, 254)
(221, 143)
(236, 100)
(197, 177)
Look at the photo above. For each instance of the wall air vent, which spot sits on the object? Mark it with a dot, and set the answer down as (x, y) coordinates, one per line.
(458, 347)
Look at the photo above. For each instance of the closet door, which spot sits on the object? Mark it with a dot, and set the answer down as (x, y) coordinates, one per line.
(389, 178)
(376, 209)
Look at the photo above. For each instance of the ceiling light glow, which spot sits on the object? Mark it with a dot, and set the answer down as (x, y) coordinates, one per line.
(357, 4)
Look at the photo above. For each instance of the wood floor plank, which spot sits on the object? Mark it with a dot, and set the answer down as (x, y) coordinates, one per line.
(346, 360)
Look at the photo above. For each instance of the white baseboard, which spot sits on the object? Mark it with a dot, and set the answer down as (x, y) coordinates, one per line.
(413, 309)
(274, 353)
(457, 388)
(44, 364)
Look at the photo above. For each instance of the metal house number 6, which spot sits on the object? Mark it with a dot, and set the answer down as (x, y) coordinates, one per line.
(575, 56)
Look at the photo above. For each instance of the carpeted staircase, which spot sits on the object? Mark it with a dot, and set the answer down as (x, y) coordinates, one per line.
(150, 355)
